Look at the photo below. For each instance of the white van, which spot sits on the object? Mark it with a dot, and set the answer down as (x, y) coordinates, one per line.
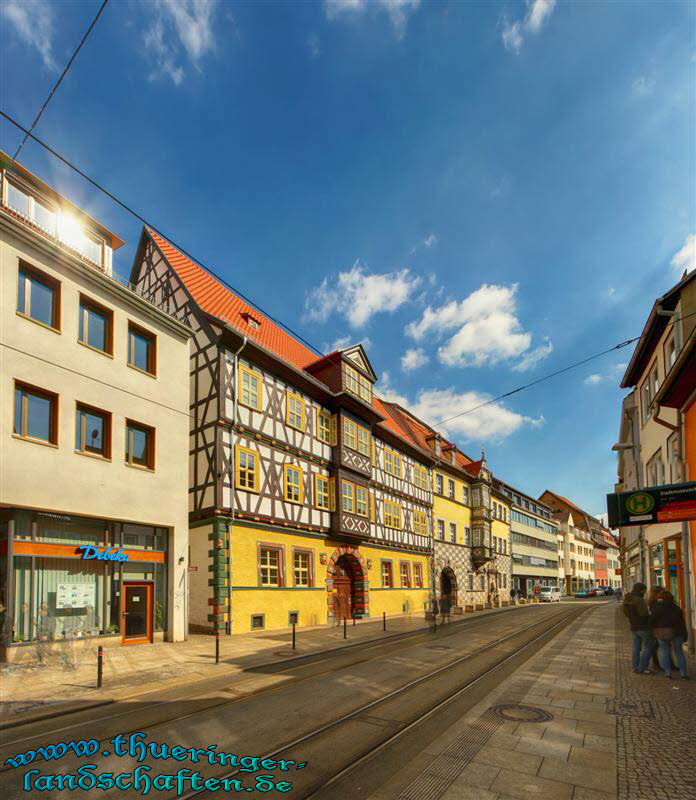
(549, 593)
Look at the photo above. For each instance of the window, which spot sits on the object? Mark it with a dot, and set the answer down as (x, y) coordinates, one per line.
(292, 483)
(96, 326)
(258, 622)
(361, 501)
(140, 445)
(405, 575)
(453, 532)
(648, 391)
(246, 469)
(450, 489)
(36, 414)
(467, 536)
(92, 431)
(39, 211)
(356, 437)
(142, 349)
(249, 388)
(387, 579)
(323, 492)
(418, 576)
(270, 566)
(655, 470)
(420, 476)
(294, 411)
(371, 498)
(674, 456)
(441, 529)
(302, 568)
(326, 427)
(465, 494)
(357, 384)
(348, 496)
(438, 484)
(392, 515)
(38, 297)
(420, 523)
(393, 463)
(470, 582)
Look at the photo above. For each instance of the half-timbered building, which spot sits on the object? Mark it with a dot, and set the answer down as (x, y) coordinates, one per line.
(318, 492)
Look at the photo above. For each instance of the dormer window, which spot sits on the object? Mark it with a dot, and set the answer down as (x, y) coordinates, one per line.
(357, 384)
(253, 322)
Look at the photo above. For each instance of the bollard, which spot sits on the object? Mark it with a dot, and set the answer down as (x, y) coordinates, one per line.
(384, 620)
(217, 646)
(345, 632)
(100, 665)
(353, 620)
(293, 635)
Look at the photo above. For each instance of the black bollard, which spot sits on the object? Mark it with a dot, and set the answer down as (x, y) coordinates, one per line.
(353, 619)
(217, 646)
(384, 620)
(345, 631)
(293, 635)
(100, 665)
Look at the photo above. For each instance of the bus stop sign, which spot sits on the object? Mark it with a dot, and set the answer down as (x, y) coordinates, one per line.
(675, 502)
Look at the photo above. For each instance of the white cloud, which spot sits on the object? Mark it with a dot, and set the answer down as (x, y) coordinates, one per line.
(314, 45)
(593, 380)
(413, 358)
(486, 327)
(347, 341)
(430, 240)
(386, 391)
(357, 295)
(180, 31)
(685, 259)
(533, 357)
(398, 10)
(32, 21)
(513, 32)
(643, 86)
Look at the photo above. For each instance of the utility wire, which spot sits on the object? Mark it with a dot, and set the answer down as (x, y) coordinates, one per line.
(60, 79)
(139, 217)
(618, 346)
(148, 224)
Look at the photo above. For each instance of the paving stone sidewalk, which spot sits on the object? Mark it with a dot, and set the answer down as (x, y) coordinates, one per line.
(31, 689)
(609, 734)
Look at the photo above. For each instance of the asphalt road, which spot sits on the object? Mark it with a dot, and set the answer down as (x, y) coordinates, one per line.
(306, 696)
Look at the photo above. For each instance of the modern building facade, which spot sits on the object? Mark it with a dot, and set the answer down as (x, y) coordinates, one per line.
(93, 433)
(656, 441)
(534, 542)
(576, 528)
(316, 490)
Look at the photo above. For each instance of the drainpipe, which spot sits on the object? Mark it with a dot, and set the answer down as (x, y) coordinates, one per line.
(231, 516)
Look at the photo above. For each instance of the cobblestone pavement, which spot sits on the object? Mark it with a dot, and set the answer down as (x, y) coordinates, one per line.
(656, 731)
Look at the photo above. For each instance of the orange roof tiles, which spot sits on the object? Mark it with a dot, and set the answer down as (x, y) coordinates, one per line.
(224, 304)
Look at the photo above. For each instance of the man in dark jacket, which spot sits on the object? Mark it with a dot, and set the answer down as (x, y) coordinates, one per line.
(669, 628)
(636, 610)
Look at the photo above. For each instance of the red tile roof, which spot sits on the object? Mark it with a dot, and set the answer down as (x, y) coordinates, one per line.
(224, 304)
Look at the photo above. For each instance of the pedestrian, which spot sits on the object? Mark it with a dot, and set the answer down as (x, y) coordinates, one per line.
(512, 595)
(435, 612)
(669, 629)
(636, 610)
(445, 608)
(653, 598)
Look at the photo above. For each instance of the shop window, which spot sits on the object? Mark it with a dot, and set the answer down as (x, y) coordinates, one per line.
(142, 349)
(140, 445)
(96, 326)
(258, 622)
(36, 414)
(38, 296)
(92, 431)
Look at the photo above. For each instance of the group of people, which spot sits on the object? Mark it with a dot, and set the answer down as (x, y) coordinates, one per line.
(659, 630)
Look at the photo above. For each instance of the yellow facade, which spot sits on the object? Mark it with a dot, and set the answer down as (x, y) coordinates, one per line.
(311, 604)
(451, 510)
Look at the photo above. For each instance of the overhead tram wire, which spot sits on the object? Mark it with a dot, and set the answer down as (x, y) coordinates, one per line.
(148, 224)
(500, 397)
(60, 79)
(142, 219)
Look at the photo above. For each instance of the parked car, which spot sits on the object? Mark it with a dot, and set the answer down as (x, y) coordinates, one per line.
(549, 594)
(582, 593)
(598, 591)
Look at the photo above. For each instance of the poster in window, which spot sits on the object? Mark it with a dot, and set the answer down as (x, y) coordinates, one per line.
(76, 595)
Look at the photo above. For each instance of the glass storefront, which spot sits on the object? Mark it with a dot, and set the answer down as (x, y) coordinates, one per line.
(56, 594)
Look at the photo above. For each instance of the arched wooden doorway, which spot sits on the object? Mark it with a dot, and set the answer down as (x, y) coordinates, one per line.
(448, 586)
(347, 584)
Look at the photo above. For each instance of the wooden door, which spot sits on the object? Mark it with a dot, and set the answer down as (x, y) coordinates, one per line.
(136, 617)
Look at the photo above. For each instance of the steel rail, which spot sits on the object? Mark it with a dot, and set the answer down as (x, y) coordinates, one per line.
(567, 615)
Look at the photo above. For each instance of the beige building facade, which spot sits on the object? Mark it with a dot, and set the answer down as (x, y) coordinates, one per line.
(94, 434)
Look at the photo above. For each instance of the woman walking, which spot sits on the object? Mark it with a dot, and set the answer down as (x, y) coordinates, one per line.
(669, 628)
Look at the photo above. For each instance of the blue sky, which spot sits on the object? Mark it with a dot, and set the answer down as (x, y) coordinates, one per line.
(482, 192)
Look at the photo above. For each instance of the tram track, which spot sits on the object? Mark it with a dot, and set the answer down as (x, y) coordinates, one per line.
(304, 667)
(331, 737)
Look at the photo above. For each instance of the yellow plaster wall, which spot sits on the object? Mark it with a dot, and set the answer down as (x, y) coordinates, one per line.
(449, 510)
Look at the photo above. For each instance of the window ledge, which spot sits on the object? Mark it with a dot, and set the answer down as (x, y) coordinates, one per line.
(95, 349)
(38, 322)
(32, 440)
(97, 456)
(139, 466)
(143, 371)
